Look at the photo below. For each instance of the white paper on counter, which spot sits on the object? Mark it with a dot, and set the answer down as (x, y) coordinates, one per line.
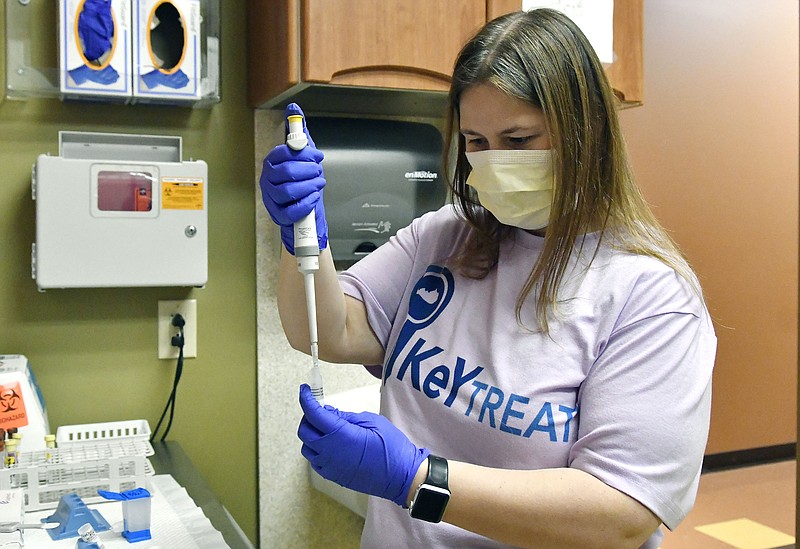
(594, 17)
(175, 523)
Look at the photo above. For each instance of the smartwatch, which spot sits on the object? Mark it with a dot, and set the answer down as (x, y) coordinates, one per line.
(431, 497)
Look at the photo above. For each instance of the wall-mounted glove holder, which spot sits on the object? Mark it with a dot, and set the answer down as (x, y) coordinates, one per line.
(124, 51)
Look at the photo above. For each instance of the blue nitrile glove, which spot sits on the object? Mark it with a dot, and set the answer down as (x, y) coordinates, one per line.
(291, 186)
(175, 80)
(105, 76)
(363, 452)
(96, 28)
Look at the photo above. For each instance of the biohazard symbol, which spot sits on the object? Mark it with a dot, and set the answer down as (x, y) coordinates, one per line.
(12, 406)
(9, 400)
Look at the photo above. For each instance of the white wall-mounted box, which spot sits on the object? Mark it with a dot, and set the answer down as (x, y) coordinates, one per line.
(95, 57)
(167, 50)
(119, 210)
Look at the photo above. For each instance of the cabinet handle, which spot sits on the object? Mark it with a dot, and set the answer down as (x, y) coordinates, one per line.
(393, 75)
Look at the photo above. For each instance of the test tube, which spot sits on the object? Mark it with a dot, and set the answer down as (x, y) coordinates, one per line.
(11, 460)
(18, 437)
(49, 444)
(11, 452)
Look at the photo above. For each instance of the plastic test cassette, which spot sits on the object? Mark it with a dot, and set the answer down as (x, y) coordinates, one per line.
(119, 210)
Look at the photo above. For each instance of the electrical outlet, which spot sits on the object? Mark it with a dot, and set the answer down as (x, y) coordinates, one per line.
(187, 308)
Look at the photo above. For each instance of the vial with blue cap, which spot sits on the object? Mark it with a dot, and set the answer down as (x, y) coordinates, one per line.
(135, 512)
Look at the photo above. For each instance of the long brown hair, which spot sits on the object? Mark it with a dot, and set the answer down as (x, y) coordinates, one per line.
(542, 57)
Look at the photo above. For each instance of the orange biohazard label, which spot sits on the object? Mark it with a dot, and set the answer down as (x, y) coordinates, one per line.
(12, 407)
(181, 193)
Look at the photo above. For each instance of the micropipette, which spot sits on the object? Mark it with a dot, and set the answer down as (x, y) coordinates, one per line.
(306, 250)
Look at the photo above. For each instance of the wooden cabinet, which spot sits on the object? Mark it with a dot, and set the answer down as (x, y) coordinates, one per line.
(295, 45)
(626, 73)
(402, 44)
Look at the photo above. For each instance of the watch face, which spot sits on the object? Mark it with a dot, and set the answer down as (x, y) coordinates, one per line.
(430, 503)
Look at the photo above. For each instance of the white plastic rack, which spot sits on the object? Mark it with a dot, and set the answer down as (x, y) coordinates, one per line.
(97, 457)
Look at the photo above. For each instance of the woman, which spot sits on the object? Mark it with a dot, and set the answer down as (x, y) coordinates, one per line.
(546, 352)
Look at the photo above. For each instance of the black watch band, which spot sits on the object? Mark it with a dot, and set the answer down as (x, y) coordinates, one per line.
(431, 497)
(437, 472)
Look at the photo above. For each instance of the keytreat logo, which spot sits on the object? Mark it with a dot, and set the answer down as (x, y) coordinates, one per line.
(419, 362)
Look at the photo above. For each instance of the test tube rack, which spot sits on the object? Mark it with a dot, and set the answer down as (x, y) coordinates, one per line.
(114, 463)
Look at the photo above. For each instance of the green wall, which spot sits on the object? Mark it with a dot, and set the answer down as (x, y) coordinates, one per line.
(94, 351)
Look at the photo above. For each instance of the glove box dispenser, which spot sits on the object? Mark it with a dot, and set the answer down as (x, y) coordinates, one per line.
(380, 175)
(119, 210)
(167, 45)
(94, 48)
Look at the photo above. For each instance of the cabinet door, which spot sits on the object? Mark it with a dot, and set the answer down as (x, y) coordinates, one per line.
(626, 72)
(386, 43)
(272, 49)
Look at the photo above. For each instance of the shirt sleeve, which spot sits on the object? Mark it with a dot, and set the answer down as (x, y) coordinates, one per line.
(381, 279)
(644, 407)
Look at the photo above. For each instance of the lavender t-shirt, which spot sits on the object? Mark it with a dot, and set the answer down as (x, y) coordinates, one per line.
(621, 388)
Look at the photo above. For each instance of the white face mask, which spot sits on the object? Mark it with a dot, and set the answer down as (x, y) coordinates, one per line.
(515, 185)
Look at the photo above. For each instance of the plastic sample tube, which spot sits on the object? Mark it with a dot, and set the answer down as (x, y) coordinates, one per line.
(50, 444)
(87, 534)
(11, 452)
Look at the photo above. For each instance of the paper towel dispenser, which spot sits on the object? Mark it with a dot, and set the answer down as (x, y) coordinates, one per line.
(380, 175)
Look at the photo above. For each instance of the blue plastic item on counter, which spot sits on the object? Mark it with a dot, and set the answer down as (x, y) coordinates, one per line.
(71, 514)
(135, 511)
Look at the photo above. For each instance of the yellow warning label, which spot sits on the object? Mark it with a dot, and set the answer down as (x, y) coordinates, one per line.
(182, 193)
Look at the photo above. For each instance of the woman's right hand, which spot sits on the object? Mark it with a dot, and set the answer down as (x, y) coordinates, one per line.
(291, 186)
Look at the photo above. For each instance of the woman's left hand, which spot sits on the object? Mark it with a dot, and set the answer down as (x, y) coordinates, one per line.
(364, 452)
